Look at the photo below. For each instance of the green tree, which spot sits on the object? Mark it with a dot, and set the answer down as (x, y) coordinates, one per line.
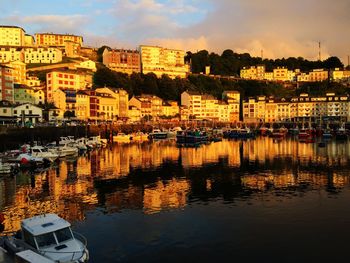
(100, 52)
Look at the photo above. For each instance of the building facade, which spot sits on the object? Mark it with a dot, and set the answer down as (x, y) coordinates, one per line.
(121, 60)
(12, 36)
(162, 61)
(51, 39)
(6, 83)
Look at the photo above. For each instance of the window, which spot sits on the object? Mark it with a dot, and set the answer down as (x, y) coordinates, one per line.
(29, 239)
(45, 240)
(63, 234)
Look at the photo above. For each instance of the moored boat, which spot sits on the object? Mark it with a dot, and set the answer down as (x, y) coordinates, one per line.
(50, 236)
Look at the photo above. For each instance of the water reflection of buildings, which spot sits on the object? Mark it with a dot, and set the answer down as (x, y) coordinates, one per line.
(146, 183)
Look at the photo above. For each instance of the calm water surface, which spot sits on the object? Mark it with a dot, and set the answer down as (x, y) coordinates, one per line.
(252, 201)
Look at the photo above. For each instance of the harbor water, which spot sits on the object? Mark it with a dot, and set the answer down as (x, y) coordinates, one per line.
(255, 200)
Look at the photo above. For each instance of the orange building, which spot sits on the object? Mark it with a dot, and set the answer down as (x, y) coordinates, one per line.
(51, 39)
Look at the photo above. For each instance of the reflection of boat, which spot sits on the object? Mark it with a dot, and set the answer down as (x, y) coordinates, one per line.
(5, 168)
(49, 236)
(341, 134)
(140, 136)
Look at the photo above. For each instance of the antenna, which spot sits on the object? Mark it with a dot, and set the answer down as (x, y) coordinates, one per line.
(348, 61)
(262, 54)
(319, 50)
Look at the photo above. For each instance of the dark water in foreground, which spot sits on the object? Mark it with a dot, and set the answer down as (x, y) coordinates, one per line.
(252, 201)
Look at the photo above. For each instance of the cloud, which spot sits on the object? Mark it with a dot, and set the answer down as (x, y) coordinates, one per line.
(51, 23)
(186, 44)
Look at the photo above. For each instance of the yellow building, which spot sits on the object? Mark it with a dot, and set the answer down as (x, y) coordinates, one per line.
(170, 108)
(161, 61)
(121, 100)
(318, 75)
(42, 55)
(149, 105)
(107, 109)
(134, 114)
(29, 40)
(51, 39)
(205, 106)
(87, 64)
(268, 76)
(12, 36)
(59, 99)
(8, 54)
(253, 72)
(254, 109)
(18, 71)
(280, 74)
(33, 81)
(67, 79)
(82, 107)
(303, 77)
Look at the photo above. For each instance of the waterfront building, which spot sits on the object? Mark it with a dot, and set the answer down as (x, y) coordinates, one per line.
(232, 98)
(6, 83)
(301, 108)
(42, 55)
(28, 113)
(203, 106)
(121, 100)
(149, 105)
(67, 79)
(170, 108)
(24, 94)
(107, 109)
(6, 112)
(162, 61)
(82, 107)
(12, 36)
(59, 99)
(122, 60)
(134, 114)
(318, 75)
(253, 72)
(51, 39)
(254, 109)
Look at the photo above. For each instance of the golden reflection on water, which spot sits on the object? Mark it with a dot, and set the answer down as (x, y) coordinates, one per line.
(70, 191)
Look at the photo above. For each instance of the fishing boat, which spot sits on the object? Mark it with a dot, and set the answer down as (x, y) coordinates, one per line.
(48, 236)
(40, 151)
(158, 134)
(122, 137)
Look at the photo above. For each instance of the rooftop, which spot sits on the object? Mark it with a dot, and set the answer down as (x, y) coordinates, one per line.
(42, 224)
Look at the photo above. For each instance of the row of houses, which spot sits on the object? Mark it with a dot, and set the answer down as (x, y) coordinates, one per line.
(284, 74)
(270, 109)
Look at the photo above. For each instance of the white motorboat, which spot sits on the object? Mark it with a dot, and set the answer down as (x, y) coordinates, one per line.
(158, 134)
(94, 142)
(66, 140)
(81, 144)
(64, 150)
(48, 236)
(40, 151)
(173, 131)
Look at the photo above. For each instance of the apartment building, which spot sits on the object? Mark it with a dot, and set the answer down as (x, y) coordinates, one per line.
(304, 107)
(149, 105)
(122, 60)
(82, 107)
(67, 79)
(161, 61)
(318, 75)
(51, 39)
(42, 55)
(170, 108)
(6, 83)
(12, 36)
(18, 71)
(280, 74)
(204, 106)
(121, 100)
(11, 53)
(253, 72)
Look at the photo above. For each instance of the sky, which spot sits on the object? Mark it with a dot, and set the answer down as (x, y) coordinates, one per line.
(280, 28)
